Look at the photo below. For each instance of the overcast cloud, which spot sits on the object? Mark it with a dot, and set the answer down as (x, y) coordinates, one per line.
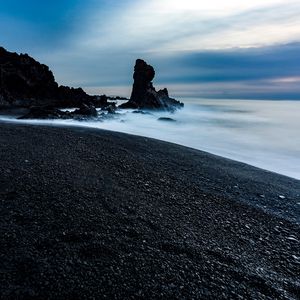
(230, 49)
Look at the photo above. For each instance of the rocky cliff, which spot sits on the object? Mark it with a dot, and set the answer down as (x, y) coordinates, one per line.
(24, 82)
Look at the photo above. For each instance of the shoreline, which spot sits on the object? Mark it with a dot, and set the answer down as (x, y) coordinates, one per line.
(102, 213)
(81, 124)
(237, 166)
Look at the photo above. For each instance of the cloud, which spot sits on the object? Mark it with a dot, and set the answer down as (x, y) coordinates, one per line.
(234, 64)
(254, 73)
(260, 73)
(255, 90)
(167, 25)
(219, 48)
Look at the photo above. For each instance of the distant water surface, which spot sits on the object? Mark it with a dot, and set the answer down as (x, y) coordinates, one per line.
(265, 134)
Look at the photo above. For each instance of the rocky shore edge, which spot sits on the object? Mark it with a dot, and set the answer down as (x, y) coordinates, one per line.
(26, 83)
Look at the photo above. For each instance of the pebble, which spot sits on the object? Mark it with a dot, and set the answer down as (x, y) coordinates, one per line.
(291, 238)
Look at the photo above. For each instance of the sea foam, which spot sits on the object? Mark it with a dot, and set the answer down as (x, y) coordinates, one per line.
(261, 133)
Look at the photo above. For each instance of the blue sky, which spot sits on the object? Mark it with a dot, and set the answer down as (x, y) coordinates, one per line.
(216, 48)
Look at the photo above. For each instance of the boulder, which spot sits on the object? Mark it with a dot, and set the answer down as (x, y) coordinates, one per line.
(166, 119)
(86, 110)
(111, 108)
(144, 95)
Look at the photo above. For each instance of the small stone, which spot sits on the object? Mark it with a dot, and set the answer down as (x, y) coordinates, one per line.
(291, 238)
(165, 119)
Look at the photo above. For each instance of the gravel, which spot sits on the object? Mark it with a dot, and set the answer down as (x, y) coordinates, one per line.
(93, 214)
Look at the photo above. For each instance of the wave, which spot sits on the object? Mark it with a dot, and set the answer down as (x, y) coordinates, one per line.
(261, 133)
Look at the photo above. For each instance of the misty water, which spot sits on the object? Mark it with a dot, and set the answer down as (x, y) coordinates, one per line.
(261, 133)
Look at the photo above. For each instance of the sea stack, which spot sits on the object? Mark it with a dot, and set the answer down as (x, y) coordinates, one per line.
(144, 95)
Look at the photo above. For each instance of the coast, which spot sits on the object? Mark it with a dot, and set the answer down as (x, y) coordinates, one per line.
(89, 214)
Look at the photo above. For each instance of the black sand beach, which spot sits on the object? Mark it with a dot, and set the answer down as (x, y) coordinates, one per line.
(92, 214)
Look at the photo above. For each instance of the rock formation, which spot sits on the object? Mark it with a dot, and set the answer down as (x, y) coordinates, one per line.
(84, 112)
(24, 82)
(144, 94)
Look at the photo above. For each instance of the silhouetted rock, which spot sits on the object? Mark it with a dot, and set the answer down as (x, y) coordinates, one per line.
(49, 112)
(86, 110)
(46, 112)
(144, 94)
(23, 78)
(117, 98)
(111, 109)
(72, 97)
(142, 85)
(141, 112)
(24, 82)
(166, 119)
(129, 105)
(101, 101)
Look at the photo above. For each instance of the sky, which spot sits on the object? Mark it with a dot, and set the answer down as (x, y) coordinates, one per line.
(209, 49)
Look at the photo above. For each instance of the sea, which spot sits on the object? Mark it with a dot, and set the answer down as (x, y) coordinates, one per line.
(265, 134)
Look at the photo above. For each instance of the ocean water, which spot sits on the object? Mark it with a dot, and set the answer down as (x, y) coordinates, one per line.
(265, 134)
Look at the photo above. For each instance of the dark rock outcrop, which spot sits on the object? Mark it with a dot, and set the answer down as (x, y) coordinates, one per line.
(86, 110)
(111, 109)
(164, 119)
(72, 97)
(45, 112)
(144, 95)
(117, 98)
(24, 82)
(49, 112)
(101, 101)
